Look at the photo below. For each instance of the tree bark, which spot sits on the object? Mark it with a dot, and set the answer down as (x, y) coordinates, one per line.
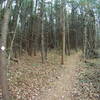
(36, 37)
(42, 32)
(63, 31)
(68, 35)
(3, 60)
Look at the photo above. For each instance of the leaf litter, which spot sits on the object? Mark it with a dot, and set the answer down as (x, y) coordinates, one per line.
(30, 77)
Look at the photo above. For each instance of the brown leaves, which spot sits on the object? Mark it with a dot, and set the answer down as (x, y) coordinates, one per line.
(28, 78)
(88, 86)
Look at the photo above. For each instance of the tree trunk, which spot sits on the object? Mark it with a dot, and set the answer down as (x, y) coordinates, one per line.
(3, 60)
(63, 31)
(42, 32)
(68, 35)
(36, 37)
(85, 38)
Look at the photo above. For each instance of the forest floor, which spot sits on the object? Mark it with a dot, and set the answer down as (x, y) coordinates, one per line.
(32, 80)
(63, 87)
(29, 79)
(88, 80)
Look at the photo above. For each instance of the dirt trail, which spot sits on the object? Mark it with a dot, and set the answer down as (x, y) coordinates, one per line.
(62, 88)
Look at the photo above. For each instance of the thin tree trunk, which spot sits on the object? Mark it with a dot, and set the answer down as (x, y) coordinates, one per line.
(35, 40)
(3, 60)
(85, 38)
(42, 32)
(63, 31)
(68, 36)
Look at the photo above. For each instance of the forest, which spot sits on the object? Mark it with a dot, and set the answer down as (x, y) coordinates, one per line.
(49, 50)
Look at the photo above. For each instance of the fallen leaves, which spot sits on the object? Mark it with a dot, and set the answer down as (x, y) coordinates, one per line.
(28, 78)
(88, 85)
